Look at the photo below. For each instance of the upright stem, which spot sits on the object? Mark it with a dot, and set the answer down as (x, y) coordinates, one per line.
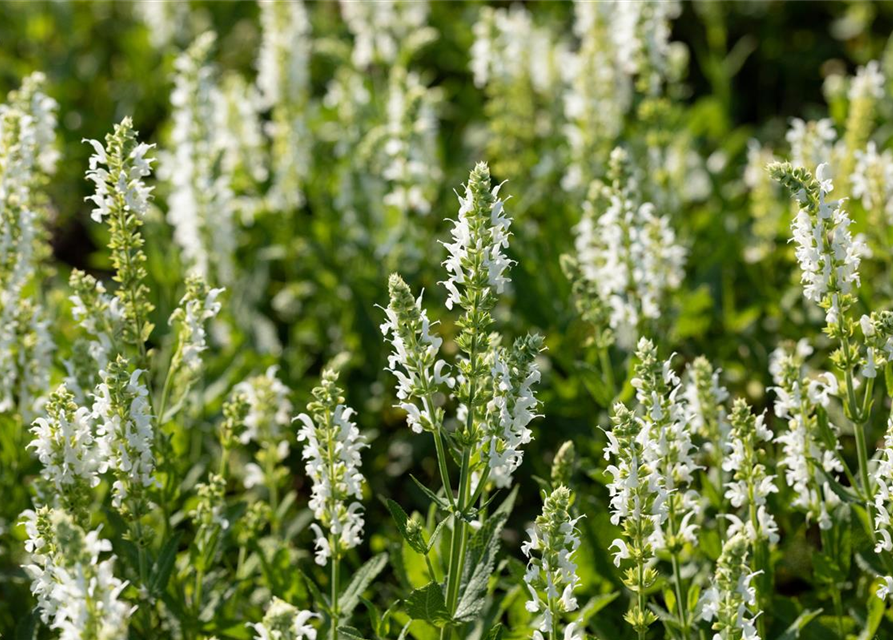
(335, 589)
(640, 593)
(759, 560)
(457, 545)
(682, 600)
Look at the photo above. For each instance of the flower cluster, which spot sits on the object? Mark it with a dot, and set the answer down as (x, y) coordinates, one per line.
(509, 46)
(872, 182)
(729, 603)
(750, 484)
(883, 506)
(197, 307)
(63, 442)
(283, 621)
(806, 457)
(332, 454)
(632, 507)
(124, 432)
(381, 29)
(628, 252)
(811, 142)
(551, 575)
(77, 593)
(117, 171)
(414, 361)
(477, 267)
(828, 254)
(706, 399)
(668, 448)
(283, 81)
(512, 407)
(877, 330)
(27, 157)
(412, 167)
(266, 422)
(101, 318)
(624, 47)
(200, 204)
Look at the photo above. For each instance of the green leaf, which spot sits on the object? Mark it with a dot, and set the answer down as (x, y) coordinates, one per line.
(844, 493)
(480, 560)
(321, 601)
(414, 540)
(350, 597)
(350, 633)
(405, 631)
(428, 604)
(436, 499)
(876, 607)
(435, 535)
(495, 633)
(793, 631)
(26, 629)
(888, 378)
(164, 564)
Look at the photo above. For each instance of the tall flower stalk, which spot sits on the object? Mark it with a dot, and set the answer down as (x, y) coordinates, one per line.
(829, 258)
(731, 603)
(668, 450)
(551, 575)
(117, 170)
(632, 506)
(332, 453)
(492, 385)
(750, 486)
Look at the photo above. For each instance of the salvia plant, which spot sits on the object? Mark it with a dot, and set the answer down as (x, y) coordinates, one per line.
(263, 378)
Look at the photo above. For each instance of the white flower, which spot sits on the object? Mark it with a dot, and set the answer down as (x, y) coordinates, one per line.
(512, 407)
(332, 461)
(75, 590)
(124, 432)
(381, 28)
(200, 205)
(551, 571)
(868, 83)
(270, 409)
(63, 441)
(630, 254)
(486, 232)
(885, 588)
(283, 621)
(811, 142)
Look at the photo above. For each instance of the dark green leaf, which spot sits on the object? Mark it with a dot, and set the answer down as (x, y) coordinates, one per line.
(350, 597)
(428, 604)
(321, 601)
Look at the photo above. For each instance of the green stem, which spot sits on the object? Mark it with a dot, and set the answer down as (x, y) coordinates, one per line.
(335, 589)
(682, 600)
(442, 464)
(759, 560)
(457, 544)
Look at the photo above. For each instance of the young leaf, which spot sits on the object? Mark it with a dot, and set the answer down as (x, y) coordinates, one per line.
(436, 499)
(164, 564)
(793, 631)
(495, 633)
(321, 601)
(350, 597)
(413, 538)
(428, 604)
(350, 633)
